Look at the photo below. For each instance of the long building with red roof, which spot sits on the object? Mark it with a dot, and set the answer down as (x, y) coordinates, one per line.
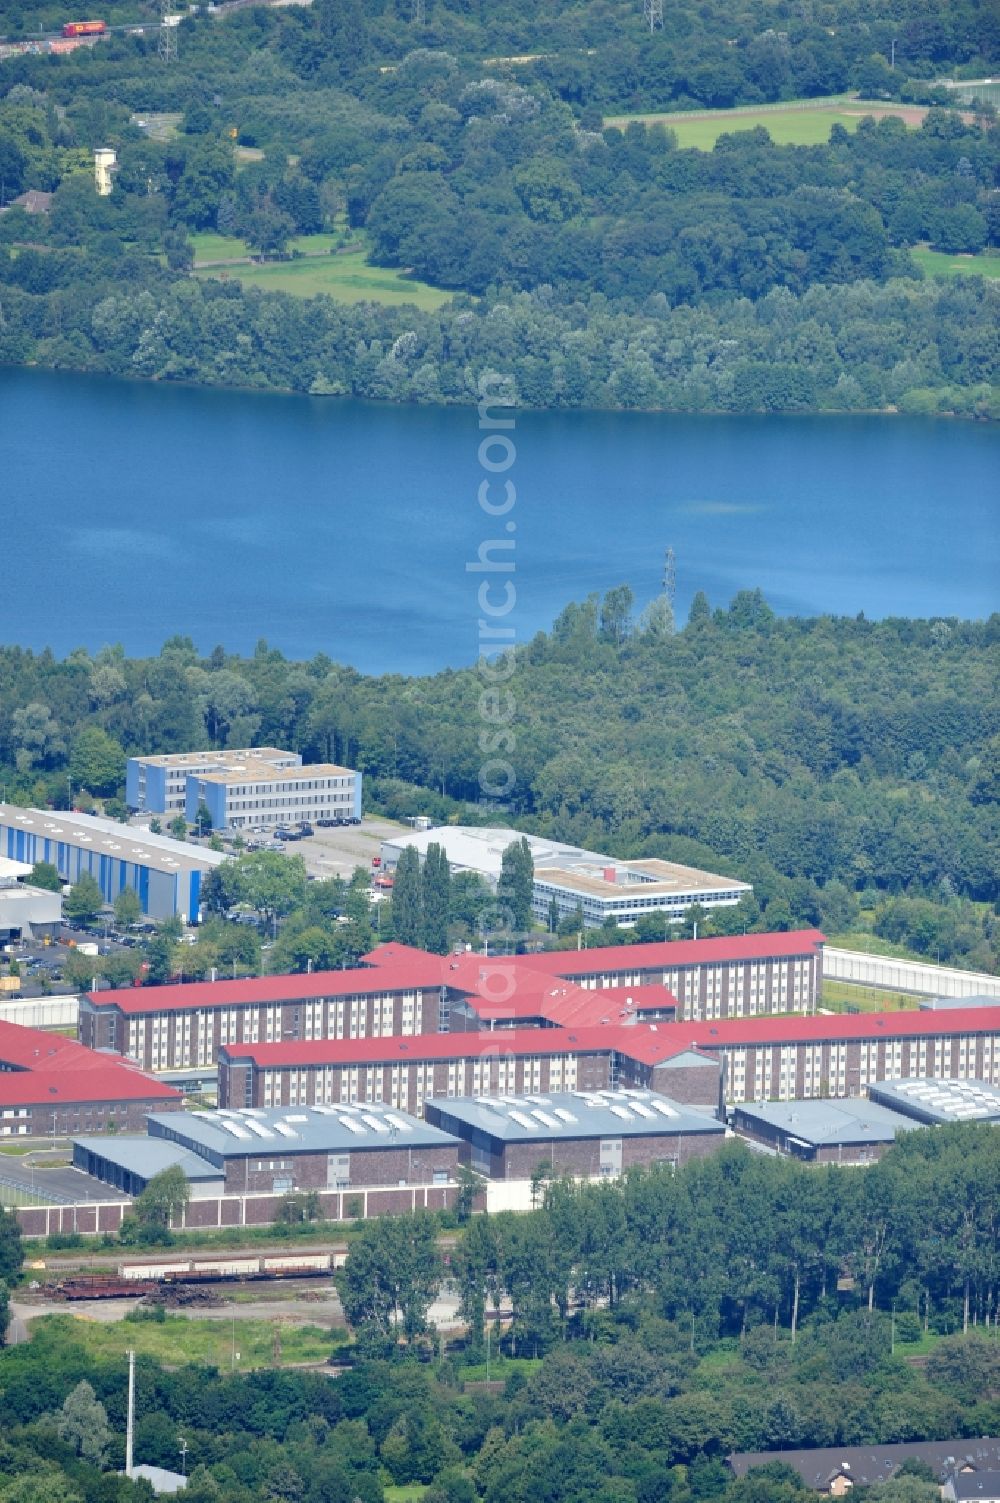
(53, 1085)
(402, 990)
(696, 1062)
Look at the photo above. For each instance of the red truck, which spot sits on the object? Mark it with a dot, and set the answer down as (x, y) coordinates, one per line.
(84, 28)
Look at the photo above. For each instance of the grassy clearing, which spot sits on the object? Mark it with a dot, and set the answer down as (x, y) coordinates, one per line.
(871, 944)
(846, 996)
(807, 124)
(939, 264)
(501, 1369)
(210, 246)
(404, 1492)
(159, 125)
(347, 278)
(178, 1340)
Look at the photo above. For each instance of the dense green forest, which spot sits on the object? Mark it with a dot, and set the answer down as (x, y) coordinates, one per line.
(836, 763)
(651, 1335)
(598, 267)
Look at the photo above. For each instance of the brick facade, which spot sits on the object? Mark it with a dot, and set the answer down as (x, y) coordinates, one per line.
(582, 1156)
(68, 1118)
(241, 1210)
(846, 1067)
(721, 989)
(406, 1085)
(357, 1170)
(178, 1038)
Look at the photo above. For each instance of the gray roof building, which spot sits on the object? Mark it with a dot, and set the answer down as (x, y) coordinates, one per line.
(216, 1136)
(574, 1114)
(256, 1151)
(129, 1163)
(929, 1100)
(585, 1133)
(837, 1470)
(851, 1128)
(983, 1486)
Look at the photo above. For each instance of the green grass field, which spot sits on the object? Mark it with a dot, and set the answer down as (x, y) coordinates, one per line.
(844, 996)
(796, 125)
(939, 264)
(211, 246)
(404, 1492)
(347, 278)
(500, 1369)
(206, 1342)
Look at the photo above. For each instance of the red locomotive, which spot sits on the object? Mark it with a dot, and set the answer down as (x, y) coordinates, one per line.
(84, 28)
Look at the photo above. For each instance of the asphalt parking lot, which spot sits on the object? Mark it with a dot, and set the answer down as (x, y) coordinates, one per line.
(336, 852)
(62, 1185)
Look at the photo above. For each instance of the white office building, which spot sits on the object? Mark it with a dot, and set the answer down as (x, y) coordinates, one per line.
(579, 882)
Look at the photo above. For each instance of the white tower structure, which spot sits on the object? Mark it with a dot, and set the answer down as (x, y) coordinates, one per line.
(130, 1422)
(105, 162)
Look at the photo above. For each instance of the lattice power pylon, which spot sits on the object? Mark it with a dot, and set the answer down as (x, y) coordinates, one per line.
(670, 576)
(652, 11)
(166, 42)
(418, 12)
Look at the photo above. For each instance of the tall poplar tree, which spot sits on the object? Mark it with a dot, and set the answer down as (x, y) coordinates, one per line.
(435, 889)
(407, 907)
(516, 885)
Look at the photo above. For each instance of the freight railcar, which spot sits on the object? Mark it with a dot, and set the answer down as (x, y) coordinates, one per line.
(211, 1270)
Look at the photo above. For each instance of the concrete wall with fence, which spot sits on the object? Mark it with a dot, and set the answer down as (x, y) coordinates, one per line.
(906, 975)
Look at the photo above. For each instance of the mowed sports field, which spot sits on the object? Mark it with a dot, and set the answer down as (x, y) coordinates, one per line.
(807, 123)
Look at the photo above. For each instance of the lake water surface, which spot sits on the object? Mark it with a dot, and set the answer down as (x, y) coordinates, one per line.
(131, 512)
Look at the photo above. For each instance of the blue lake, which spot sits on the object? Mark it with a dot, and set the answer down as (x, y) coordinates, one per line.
(131, 512)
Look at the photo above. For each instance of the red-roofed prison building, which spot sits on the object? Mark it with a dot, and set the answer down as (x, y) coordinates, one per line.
(404, 1072)
(778, 1059)
(749, 1059)
(51, 1085)
(185, 1026)
(400, 990)
(742, 976)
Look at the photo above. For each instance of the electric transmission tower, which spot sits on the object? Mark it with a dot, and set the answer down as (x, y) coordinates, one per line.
(670, 576)
(652, 11)
(166, 42)
(418, 12)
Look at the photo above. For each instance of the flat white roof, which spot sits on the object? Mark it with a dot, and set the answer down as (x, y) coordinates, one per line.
(556, 864)
(109, 838)
(214, 758)
(254, 770)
